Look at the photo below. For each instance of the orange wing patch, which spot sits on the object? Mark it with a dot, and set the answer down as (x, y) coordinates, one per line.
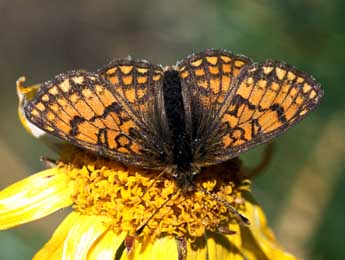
(206, 80)
(266, 100)
(83, 109)
(213, 72)
(136, 83)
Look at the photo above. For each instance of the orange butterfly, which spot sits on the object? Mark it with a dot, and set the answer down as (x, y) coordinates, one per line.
(205, 110)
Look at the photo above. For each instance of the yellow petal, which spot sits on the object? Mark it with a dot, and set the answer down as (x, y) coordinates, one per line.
(198, 250)
(161, 248)
(34, 197)
(258, 237)
(53, 249)
(107, 246)
(25, 94)
(137, 249)
(221, 246)
(82, 236)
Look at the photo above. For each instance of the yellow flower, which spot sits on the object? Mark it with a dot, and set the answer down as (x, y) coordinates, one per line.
(111, 202)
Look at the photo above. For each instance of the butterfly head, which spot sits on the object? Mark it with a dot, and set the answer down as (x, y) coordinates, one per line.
(185, 178)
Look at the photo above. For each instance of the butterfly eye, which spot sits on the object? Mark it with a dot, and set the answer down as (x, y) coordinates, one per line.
(195, 170)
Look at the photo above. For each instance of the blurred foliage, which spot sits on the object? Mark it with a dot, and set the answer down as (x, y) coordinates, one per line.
(40, 39)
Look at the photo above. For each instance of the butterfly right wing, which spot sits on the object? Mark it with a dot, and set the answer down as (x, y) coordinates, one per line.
(84, 109)
(206, 80)
(264, 101)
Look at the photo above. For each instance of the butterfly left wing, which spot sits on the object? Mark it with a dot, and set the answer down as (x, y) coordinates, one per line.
(137, 84)
(84, 109)
(265, 100)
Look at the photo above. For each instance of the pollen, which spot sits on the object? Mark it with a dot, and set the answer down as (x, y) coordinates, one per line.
(128, 197)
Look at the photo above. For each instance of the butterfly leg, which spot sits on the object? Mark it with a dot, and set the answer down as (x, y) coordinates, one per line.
(141, 228)
(166, 170)
(242, 219)
(225, 230)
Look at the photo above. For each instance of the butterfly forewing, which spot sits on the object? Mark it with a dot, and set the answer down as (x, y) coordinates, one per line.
(84, 109)
(206, 79)
(208, 75)
(265, 100)
(138, 86)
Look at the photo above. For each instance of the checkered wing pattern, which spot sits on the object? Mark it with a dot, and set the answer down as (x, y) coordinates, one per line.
(263, 102)
(94, 113)
(207, 79)
(138, 86)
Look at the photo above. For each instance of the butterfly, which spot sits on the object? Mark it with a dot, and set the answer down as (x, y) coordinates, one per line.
(207, 109)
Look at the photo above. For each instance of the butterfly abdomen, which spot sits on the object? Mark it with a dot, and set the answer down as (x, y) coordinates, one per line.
(175, 115)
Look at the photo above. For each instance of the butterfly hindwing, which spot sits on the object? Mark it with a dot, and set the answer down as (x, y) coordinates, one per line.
(266, 99)
(84, 109)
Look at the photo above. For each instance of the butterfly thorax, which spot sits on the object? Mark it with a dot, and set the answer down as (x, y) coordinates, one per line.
(175, 116)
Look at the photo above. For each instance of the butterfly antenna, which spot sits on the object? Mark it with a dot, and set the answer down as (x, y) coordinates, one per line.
(155, 180)
(141, 228)
(242, 219)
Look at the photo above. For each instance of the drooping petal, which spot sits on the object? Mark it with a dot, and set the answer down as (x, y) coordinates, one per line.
(161, 248)
(197, 250)
(220, 246)
(107, 246)
(53, 249)
(258, 238)
(25, 94)
(34, 197)
(153, 249)
(74, 238)
(82, 235)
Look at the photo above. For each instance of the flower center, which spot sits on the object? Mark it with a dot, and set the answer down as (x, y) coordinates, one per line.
(130, 196)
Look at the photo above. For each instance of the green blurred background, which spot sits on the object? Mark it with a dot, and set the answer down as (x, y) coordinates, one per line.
(301, 190)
